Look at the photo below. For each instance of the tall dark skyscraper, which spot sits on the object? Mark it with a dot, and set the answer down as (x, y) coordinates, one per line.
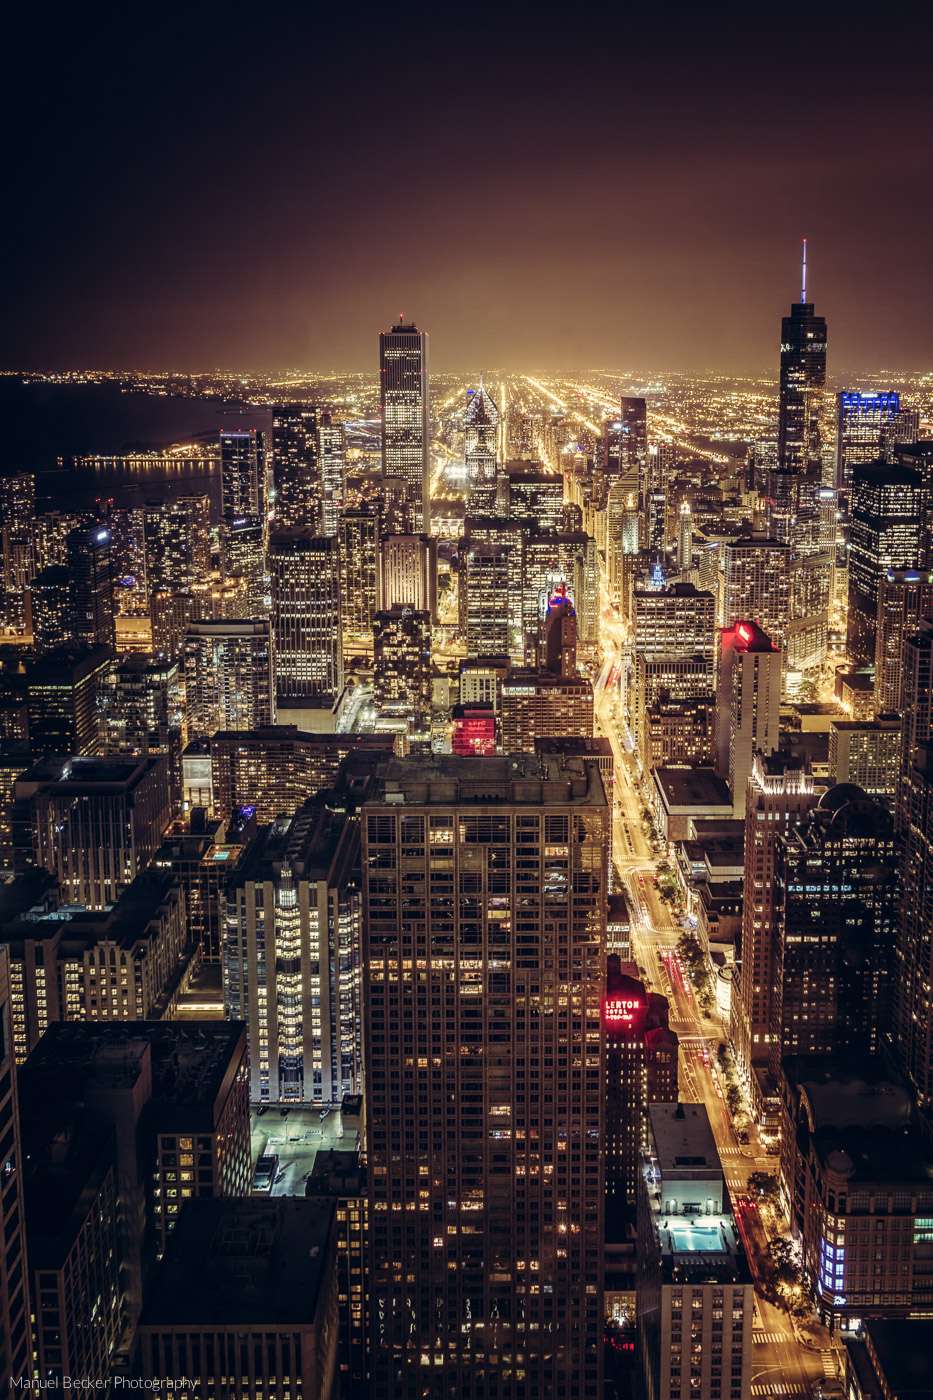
(17, 515)
(913, 981)
(863, 425)
(242, 474)
(483, 978)
(406, 458)
(91, 568)
(886, 532)
(803, 379)
(295, 466)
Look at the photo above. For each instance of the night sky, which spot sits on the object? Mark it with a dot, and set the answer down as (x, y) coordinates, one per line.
(260, 187)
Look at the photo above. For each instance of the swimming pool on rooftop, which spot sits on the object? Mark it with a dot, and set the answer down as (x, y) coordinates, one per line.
(693, 1237)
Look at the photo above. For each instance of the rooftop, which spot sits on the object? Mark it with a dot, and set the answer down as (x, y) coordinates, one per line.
(684, 787)
(683, 1138)
(243, 1261)
(515, 779)
(190, 1062)
(903, 1348)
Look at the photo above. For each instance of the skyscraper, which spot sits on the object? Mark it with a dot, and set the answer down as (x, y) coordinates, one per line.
(780, 792)
(17, 517)
(485, 890)
(836, 878)
(294, 467)
(242, 474)
(402, 670)
(748, 712)
(886, 532)
(291, 957)
(480, 444)
(91, 569)
(641, 1069)
(685, 537)
(358, 533)
(52, 608)
(913, 981)
(695, 1292)
(408, 573)
(305, 572)
(14, 1291)
(332, 468)
(244, 560)
(406, 458)
(802, 381)
(904, 597)
(757, 583)
(864, 424)
(229, 676)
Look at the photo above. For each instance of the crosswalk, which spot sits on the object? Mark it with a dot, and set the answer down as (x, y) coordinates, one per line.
(828, 1358)
(779, 1388)
(763, 1338)
(731, 1152)
(735, 1183)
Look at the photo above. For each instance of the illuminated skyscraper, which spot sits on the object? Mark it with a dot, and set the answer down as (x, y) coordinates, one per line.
(402, 670)
(780, 792)
(291, 957)
(408, 573)
(17, 517)
(685, 537)
(14, 1292)
(406, 458)
(91, 568)
(484, 597)
(480, 441)
(748, 714)
(913, 981)
(864, 425)
(483, 979)
(625, 446)
(294, 466)
(242, 545)
(228, 676)
(332, 467)
(904, 597)
(52, 609)
(560, 634)
(803, 379)
(757, 583)
(128, 560)
(836, 876)
(886, 532)
(358, 533)
(305, 572)
(178, 543)
(641, 1068)
(242, 474)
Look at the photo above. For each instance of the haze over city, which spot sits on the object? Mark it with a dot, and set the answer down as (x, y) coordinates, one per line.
(620, 188)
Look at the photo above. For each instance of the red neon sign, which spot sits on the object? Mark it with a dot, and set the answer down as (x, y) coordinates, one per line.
(621, 1011)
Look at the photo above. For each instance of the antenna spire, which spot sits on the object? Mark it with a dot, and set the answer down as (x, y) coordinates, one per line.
(803, 282)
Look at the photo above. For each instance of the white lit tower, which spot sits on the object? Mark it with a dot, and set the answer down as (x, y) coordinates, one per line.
(403, 374)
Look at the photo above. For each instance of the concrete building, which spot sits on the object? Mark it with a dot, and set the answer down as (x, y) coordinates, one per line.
(172, 1100)
(756, 583)
(682, 795)
(274, 769)
(291, 958)
(857, 1175)
(538, 705)
(475, 864)
(695, 1293)
(229, 676)
(867, 752)
(260, 1269)
(306, 615)
(65, 691)
(93, 823)
(748, 704)
(123, 964)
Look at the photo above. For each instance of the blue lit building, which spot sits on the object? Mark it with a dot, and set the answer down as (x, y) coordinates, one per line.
(862, 421)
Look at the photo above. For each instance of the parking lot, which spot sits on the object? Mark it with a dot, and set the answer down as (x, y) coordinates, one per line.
(296, 1139)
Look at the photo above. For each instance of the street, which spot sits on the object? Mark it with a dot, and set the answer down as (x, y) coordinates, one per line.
(783, 1366)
